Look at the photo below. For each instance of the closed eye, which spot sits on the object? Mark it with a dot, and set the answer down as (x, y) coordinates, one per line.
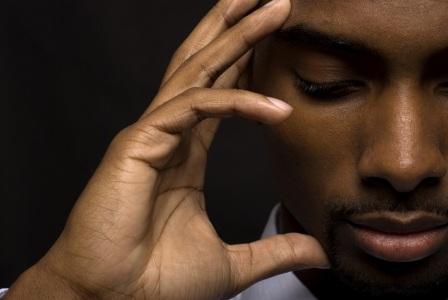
(327, 90)
(443, 87)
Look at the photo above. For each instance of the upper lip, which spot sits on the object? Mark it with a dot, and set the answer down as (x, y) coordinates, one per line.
(391, 222)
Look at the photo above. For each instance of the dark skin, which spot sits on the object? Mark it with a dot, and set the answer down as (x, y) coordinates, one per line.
(140, 229)
(378, 143)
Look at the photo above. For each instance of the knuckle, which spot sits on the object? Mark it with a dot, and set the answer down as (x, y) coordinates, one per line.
(242, 96)
(143, 134)
(121, 136)
(179, 51)
(144, 141)
(193, 92)
(293, 253)
(182, 54)
(134, 136)
(248, 29)
(223, 13)
(244, 38)
(118, 144)
(208, 72)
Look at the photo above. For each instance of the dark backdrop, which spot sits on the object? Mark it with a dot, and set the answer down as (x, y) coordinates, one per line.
(72, 74)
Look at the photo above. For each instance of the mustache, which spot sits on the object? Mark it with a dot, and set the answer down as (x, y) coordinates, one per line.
(342, 208)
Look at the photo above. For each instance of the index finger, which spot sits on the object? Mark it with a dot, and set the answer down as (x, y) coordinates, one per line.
(204, 67)
(220, 18)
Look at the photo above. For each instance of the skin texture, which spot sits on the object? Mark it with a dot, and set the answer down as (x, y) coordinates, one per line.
(140, 230)
(382, 147)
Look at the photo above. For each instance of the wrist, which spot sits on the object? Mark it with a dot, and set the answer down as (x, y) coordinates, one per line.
(40, 282)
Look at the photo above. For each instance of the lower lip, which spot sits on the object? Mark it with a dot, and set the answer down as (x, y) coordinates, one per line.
(395, 247)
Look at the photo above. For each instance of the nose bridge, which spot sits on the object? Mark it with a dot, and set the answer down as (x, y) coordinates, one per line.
(402, 139)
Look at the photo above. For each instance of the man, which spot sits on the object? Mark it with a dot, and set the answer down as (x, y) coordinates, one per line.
(359, 154)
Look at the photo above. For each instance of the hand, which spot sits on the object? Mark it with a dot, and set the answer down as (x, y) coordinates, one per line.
(140, 229)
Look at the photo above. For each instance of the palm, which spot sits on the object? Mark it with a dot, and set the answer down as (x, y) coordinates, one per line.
(168, 232)
(187, 240)
(185, 235)
(140, 229)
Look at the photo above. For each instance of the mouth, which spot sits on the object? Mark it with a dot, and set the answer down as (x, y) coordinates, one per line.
(399, 238)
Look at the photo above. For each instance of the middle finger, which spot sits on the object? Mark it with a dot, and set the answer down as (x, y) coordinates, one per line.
(204, 67)
(220, 18)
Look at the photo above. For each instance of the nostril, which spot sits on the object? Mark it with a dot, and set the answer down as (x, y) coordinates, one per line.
(425, 167)
(375, 181)
(431, 181)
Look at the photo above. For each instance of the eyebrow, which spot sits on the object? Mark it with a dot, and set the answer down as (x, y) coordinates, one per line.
(304, 34)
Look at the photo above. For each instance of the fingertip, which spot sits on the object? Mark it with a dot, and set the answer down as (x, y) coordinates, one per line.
(280, 104)
(322, 261)
(279, 4)
(236, 9)
(286, 9)
(283, 110)
(325, 267)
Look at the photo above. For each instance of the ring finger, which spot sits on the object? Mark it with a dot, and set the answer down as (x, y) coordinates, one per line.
(220, 18)
(204, 67)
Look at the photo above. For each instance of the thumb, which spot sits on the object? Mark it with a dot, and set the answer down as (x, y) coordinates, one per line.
(274, 255)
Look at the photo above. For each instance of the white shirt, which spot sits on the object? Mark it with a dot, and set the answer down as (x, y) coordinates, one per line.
(285, 286)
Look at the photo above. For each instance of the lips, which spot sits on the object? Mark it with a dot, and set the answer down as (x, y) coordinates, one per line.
(399, 237)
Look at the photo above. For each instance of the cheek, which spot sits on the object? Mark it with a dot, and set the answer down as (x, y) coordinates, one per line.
(314, 158)
(314, 152)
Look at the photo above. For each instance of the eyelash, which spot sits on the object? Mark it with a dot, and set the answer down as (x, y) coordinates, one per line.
(444, 86)
(327, 90)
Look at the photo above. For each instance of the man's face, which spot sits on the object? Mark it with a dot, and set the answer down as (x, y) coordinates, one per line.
(368, 135)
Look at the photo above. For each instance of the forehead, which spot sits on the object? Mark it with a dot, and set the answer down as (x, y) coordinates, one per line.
(414, 29)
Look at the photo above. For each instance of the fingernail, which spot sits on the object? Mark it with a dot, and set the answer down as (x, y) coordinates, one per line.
(326, 267)
(279, 103)
(272, 2)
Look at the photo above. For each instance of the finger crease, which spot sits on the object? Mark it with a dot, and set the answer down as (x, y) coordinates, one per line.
(210, 74)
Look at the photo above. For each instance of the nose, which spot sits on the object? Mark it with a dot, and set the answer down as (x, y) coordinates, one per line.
(402, 141)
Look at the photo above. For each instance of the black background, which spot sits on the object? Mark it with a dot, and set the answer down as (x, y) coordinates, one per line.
(72, 74)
